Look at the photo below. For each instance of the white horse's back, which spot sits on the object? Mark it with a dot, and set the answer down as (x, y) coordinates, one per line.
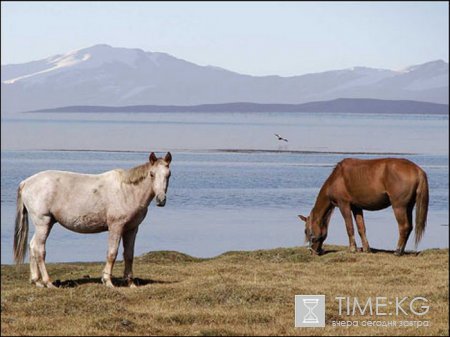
(77, 201)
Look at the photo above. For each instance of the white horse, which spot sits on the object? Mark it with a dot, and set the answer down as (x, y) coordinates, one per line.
(114, 201)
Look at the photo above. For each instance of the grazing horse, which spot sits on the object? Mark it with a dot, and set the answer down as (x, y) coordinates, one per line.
(115, 201)
(356, 185)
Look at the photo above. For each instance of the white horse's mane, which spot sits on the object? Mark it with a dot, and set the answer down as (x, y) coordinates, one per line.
(135, 175)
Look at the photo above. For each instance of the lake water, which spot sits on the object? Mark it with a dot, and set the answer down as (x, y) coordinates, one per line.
(219, 200)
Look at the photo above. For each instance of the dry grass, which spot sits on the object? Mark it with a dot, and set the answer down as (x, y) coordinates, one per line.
(237, 293)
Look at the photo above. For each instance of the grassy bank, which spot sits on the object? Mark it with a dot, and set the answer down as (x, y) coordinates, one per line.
(237, 293)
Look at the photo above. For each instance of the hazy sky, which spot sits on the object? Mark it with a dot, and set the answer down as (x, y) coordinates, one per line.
(284, 38)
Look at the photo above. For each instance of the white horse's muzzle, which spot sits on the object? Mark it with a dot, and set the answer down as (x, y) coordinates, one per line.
(160, 201)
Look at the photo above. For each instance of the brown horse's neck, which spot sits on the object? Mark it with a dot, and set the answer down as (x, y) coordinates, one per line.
(323, 207)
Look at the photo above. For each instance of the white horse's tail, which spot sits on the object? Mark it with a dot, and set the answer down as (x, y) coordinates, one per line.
(21, 229)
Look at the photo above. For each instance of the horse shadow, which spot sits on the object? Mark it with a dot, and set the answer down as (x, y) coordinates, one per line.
(372, 251)
(118, 282)
(387, 251)
(329, 251)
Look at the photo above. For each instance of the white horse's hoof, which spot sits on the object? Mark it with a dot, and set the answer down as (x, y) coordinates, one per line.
(39, 284)
(107, 282)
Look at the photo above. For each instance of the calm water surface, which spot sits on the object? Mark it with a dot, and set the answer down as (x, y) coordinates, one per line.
(220, 201)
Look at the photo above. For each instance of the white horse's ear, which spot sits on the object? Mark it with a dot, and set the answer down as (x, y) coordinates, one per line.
(302, 217)
(168, 158)
(152, 158)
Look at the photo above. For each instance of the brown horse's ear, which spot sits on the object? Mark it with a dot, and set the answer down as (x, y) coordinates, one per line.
(152, 158)
(168, 158)
(302, 217)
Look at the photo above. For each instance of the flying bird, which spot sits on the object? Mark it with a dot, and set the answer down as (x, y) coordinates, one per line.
(280, 138)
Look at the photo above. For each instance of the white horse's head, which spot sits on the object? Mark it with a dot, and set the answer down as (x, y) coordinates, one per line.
(160, 174)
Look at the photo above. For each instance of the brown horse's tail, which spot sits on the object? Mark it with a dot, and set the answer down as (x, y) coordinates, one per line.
(21, 229)
(421, 205)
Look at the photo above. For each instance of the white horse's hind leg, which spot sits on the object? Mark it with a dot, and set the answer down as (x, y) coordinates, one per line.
(34, 270)
(43, 226)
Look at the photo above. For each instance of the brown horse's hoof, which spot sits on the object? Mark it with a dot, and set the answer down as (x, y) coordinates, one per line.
(129, 282)
(398, 252)
(367, 250)
(353, 249)
(316, 252)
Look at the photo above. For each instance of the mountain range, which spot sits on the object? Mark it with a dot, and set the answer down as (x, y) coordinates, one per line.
(348, 105)
(102, 75)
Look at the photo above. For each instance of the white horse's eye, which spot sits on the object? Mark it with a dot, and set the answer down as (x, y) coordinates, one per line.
(152, 175)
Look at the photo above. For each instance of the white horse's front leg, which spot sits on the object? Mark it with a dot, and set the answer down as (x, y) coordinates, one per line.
(129, 238)
(113, 247)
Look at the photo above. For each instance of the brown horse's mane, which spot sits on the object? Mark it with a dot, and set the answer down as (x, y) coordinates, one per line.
(323, 201)
(136, 174)
(335, 171)
(330, 179)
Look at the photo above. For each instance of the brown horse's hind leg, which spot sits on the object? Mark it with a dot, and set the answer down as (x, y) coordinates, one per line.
(347, 215)
(404, 219)
(359, 218)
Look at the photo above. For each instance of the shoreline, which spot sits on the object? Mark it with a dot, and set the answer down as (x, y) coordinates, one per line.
(238, 151)
(330, 248)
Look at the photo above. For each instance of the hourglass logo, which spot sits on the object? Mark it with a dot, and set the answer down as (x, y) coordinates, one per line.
(309, 311)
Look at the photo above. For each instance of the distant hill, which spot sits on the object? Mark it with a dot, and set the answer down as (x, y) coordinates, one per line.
(110, 76)
(338, 105)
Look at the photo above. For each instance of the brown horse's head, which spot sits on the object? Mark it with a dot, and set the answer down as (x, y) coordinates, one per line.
(314, 234)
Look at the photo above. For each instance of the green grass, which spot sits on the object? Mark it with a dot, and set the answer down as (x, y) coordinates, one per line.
(236, 293)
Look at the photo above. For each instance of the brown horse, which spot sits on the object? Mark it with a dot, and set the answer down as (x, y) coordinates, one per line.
(356, 185)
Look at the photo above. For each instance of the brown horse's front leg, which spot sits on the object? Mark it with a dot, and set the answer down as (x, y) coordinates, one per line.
(129, 238)
(359, 219)
(113, 247)
(347, 215)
